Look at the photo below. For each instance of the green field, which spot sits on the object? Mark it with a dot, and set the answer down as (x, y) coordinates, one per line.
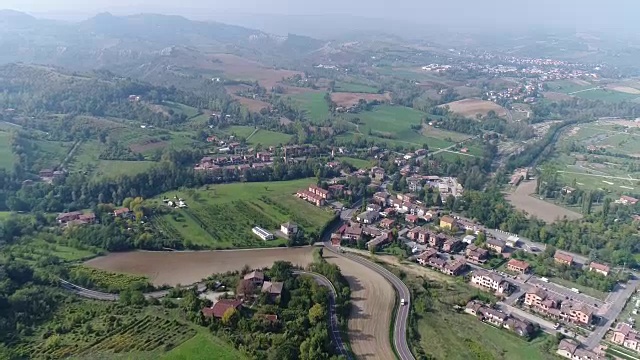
(354, 87)
(567, 86)
(268, 138)
(314, 106)
(239, 130)
(87, 159)
(606, 95)
(202, 347)
(7, 159)
(358, 163)
(50, 154)
(182, 109)
(222, 216)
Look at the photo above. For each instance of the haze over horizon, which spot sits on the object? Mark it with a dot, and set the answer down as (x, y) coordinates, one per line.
(501, 15)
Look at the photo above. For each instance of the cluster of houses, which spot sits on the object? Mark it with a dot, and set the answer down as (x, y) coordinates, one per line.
(257, 280)
(249, 158)
(449, 267)
(486, 313)
(76, 218)
(625, 335)
(569, 311)
(315, 195)
(571, 349)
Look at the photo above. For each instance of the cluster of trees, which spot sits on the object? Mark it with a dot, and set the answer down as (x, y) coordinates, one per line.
(117, 151)
(607, 235)
(301, 331)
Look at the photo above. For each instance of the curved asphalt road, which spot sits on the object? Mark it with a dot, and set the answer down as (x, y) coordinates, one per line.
(400, 326)
(335, 328)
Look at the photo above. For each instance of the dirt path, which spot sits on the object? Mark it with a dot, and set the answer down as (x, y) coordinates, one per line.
(173, 267)
(372, 300)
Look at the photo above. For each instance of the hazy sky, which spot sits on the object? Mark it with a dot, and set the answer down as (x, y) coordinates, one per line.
(581, 14)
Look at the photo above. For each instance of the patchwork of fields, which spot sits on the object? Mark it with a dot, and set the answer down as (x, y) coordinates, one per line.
(222, 216)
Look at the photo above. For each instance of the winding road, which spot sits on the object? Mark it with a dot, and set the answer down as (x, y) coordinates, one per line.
(401, 320)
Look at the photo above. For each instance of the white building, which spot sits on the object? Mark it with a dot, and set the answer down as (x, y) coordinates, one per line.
(262, 233)
(289, 228)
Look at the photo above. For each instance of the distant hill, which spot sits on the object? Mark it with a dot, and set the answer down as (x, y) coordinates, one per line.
(106, 40)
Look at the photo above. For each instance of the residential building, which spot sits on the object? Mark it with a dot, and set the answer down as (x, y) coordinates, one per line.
(476, 254)
(368, 217)
(451, 245)
(569, 311)
(571, 349)
(512, 241)
(325, 194)
(220, 307)
(414, 233)
(437, 240)
(256, 277)
(563, 259)
(377, 174)
(599, 268)
(627, 200)
(311, 197)
(496, 245)
(353, 232)
(373, 207)
(414, 183)
(490, 281)
(518, 266)
(626, 336)
(423, 259)
(387, 223)
(381, 198)
(76, 218)
(262, 233)
(447, 222)
(496, 317)
(290, 229)
(379, 240)
(468, 239)
(121, 212)
(411, 218)
(274, 289)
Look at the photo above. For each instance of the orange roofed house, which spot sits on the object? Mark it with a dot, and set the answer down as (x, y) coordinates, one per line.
(221, 307)
(447, 222)
(564, 259)
(599, 268)
(518, 266)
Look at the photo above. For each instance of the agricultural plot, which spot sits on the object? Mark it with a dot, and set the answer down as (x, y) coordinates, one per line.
(222, 217)
(569, 86)
(106, 280)
(109, 329)
(7, 158)
(606, 95)
(200, 347)
(354, 87)
(87, 159)
(472, 107)
(268, 138)
(37, 249)
(358, 163)
(314, 105)
(178, 108)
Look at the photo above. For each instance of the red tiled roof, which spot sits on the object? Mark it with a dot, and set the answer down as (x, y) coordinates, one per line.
(221, 307)
(519, 264)
(563, 257)
(598, 266)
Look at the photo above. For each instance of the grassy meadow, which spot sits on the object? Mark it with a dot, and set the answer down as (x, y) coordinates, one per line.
(314, 105)
(7, 159)
(354, 88)
(222, 216)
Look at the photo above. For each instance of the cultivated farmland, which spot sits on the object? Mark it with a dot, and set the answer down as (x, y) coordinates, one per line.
(238, 68)
(521, 198)
(221, 216)
(189, 267)
(348, 99)
(314, 105)
(372, 299)
(471, 107)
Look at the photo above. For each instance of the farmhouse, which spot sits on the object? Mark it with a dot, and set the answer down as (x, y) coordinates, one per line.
(262, 233)
(518, 266)
(76, 218)
(289, 229)
(563, 259)
(221, 307)
(256, 277)
(274, 289)
(599, 268)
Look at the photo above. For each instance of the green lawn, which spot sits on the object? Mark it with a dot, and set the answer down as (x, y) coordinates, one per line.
(358, 163)
(314, 105)
(269, 138)
(239, 130)
(354, 87)
(222, 216)
(7, 159)
(203, 347)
